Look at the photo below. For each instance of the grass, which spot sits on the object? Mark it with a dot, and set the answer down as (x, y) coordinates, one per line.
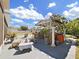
(77, 50)
(77, 46)
(68, 36)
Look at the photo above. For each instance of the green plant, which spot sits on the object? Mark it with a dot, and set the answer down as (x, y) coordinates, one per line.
(49, 39)
(77, 49)
(77, 42)
(10, 35)
(72, 27)
(44, 31)
(24, 28)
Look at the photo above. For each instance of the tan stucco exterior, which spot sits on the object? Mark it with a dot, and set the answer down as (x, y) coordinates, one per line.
(4, 5)
(1, 27)
(1, 31)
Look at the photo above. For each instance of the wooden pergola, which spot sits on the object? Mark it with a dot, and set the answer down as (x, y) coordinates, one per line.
(51, 24)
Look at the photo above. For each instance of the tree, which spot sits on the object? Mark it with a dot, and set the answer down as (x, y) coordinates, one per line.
(59, 22)
(54, 20)
(58, 19)
(24, 28)
(73, 27)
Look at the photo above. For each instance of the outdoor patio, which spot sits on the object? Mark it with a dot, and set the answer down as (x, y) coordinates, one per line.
(40, 51)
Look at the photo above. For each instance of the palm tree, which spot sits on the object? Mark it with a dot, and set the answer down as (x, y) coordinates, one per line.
(58, 22)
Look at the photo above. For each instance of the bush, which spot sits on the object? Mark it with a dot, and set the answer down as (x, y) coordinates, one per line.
(13, 35)
(10, 35)
(24, 28)
(44, 32)
(73, 27)
(46, 35)
(77, 42)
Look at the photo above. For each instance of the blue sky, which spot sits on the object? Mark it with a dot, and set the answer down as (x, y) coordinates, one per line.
(29, 12)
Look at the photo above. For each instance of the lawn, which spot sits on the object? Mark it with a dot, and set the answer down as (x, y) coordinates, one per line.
(68, 36)
(77, 50)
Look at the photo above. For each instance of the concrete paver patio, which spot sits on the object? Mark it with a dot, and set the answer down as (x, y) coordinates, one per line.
(11, 54)
(40, 51)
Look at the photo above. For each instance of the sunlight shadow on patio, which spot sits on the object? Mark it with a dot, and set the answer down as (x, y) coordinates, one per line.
(59, 52)
(18, 52)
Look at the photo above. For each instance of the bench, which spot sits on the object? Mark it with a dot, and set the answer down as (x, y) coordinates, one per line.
(27, 45)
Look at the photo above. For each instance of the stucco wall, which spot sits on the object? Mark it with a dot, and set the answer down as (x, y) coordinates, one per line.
(1, 31)
(6, 5)
(1, 27)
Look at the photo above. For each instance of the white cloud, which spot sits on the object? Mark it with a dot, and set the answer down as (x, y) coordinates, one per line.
(66, 13)
(72, 13)
(31, 6)
(16, 25)
(26, 0)
(48, 15)
(51, 4)
(17, 20)
(24, 13)
(12, 24)
(35, 22)
(72, 4)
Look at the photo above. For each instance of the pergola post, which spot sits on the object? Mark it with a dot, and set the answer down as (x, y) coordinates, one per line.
(64, 34)
(53, 37)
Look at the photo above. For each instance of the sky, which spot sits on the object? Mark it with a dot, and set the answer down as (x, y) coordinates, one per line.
(30, 12)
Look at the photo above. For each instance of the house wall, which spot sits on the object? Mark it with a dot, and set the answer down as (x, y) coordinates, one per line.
(5, 30)
(3, 21)
(1, 31)
(6, 5)
(1, 27)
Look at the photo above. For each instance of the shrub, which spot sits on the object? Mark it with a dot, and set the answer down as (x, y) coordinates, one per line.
(77, 42)
(23, 28)
(44, 33)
